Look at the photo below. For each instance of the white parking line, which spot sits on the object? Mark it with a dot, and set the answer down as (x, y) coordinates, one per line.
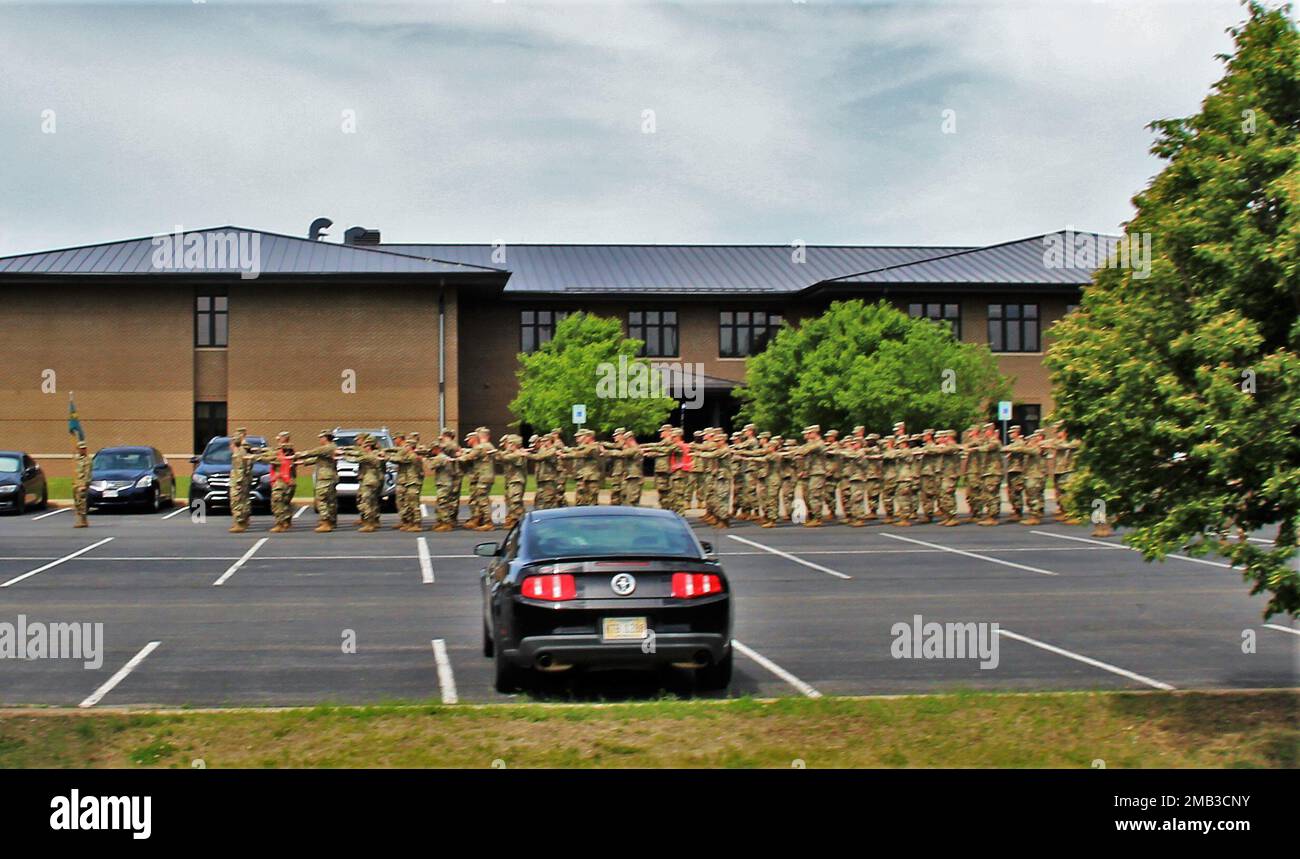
(1283, 628)
(237, 564)
(301, 510)
(178, 510)
(1131, 549)
(789, 557)
(762, 660)
(120, 675)
(42, 569)
(56, 511)
(924, 551)
(446, 680)
(1078, 657)
(426, 564)
(972, 555)
(424, 511)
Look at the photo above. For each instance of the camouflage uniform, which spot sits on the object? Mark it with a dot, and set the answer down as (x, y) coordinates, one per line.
(282, 489)
(589, 469)
(410, 480)
(482, 461)
(546, 473)
(680, 472)
(447, 482)
(1035, 477)
(991, 476)
(1062, 452)
(873, 457)
(81, 486)
(633, 480)
(833, 475)
(908, 465)
(370, 480)
(514, 467)
(889, 478)
(853, 470)
(813, 451)
(927, 477)
(240, 474)
(789, 476)
(1014, 451)
(948, 470)
(325, 481)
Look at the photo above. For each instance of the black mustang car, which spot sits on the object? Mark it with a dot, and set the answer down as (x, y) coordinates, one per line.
(604, 587)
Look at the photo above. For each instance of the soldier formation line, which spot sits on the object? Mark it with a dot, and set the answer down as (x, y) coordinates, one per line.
(898, 479)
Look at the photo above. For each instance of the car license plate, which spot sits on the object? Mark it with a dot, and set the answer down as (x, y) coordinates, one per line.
(110, 493)
(624, 629)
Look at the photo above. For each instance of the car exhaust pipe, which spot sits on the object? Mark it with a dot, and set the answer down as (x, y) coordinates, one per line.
(700, 659)
(546, 662)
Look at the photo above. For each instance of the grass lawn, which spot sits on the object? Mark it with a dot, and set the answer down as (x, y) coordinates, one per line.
(1123, 729)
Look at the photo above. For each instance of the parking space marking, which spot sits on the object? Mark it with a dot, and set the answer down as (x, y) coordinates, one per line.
(972, 555)
(1087, 660)
(42, 569)
(426, 564)
(56, 511)
(1283, 628)
(1131, 549)
(120, 675)
(237, 564)
(924, 551)
(424, 511)
(446, 680)
(762, 660)
(301, 510)
(790, 557)
(175, 512)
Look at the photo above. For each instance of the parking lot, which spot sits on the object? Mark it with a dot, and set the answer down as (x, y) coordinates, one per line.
(196, 616)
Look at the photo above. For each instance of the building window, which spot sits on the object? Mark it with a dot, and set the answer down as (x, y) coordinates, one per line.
(537, 327)
(741, 333)
(938, 312)
(209, 422)
(1013, 327)
(211, 320)
(658, 328)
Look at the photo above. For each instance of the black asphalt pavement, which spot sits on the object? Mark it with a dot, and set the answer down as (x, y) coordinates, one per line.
(815, 613)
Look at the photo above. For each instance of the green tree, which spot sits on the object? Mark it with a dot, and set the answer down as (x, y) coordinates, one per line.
(1184, 384)
(581, 364)
(869, 364)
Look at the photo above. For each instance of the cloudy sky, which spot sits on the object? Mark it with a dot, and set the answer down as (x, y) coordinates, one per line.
(608, 122)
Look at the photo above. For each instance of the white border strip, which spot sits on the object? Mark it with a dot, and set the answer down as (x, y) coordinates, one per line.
(120, 675)
(972, 555)
(1096, 663)
(776, 669)
(446, 680)
(175, 512)
(54, 512)
(1131, 549)
(1283, 628)
(237, 564)
(18, 579)
(789, 557)
(426, 564)
(302, 508)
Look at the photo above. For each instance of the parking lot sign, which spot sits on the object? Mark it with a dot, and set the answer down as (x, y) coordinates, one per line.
(579, 413)
(1004, 410)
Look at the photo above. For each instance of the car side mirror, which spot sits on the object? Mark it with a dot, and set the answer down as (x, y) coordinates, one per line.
(487, 550)
(707, 547)
(194, 460)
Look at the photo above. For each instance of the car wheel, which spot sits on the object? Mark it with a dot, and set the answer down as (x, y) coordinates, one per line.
(508, 678)
(155, 502)
(488, 646)
(715, 676)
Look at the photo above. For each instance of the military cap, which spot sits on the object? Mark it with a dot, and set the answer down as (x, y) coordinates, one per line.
(81, 444)
(665, 427)
(698, 434)
(833, 432)
(412, 435)
(618, 430)
(765, 434)
(875, 436)
(776, 438)
(859, 428)
(448, 431)
(532, 438)
(677, 431)
(1014, 428)
(987, 426)
(471, 436)
(325, 433)
(748, 427)
(241, 429)
(927, 432)
(898, 424)
(812, 428)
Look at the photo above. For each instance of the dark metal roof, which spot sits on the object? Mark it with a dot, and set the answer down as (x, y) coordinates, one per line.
(1019, 262)
(672, 269)
(277, 254)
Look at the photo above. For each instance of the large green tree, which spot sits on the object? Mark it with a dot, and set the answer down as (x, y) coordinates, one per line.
(583, 363)
(869, 364)
(1184, 384)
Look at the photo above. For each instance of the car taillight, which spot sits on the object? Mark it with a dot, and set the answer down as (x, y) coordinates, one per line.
(691, 585)
(561, 586)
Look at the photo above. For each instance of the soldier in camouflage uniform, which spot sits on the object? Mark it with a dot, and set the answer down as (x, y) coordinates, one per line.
(563, 467)
(833, 473)
(928, 477)
(971, 461)
(773, 481)
(717, 461)
(853, 470)
(633, 478)
(325, 480)
(991, 475)
(789, 477)
(240, 474)
(1013, 453)
(446, 479)
(589, 468)
(1035, 476)
(1062, 450)
(813, 451)
(370, 479)
(905, 458)
(481, 458)
(514, 467)
(662, 476)
(873, 464)
(283, 481)
(948, 465)
(546, 472)
(889, 477)
(81, 486)
(410, 480)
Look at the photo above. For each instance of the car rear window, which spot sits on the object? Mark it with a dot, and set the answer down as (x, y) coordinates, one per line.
(124, 459)
(565, 536)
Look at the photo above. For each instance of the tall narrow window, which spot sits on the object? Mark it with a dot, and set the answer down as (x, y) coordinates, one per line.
(743, 333)
(1013, 327)
(943, 312)
(211, 320)
(209, 422)
(658, 328)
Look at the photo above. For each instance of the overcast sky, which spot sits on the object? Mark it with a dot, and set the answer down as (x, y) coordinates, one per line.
(527, 122)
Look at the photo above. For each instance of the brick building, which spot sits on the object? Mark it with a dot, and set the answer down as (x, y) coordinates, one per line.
(169, 340)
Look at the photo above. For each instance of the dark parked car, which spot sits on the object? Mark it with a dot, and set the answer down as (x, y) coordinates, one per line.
(604, 587)
(22, 483)
(211, 479)
(131, 477)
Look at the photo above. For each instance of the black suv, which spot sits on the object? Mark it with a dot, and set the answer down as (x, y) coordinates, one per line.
(211, 479)
(22, 483)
